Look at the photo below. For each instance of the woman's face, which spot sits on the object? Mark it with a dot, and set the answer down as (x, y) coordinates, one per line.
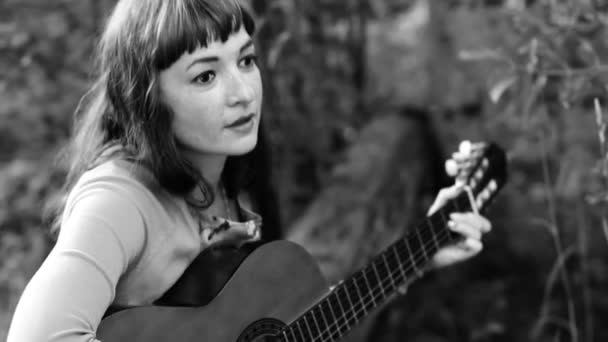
(215, 94)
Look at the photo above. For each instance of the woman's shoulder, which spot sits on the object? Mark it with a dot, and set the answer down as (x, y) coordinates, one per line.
(123, 182)
(120, 172)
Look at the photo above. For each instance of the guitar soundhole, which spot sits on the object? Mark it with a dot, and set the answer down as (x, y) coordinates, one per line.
(263, 330)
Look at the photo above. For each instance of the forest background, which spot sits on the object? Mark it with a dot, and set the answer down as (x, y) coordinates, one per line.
(364, 100)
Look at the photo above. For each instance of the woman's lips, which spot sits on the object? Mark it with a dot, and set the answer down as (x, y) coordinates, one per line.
(240, 121)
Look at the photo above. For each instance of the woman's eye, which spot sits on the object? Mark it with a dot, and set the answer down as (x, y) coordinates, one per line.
(205, 78)
(249, 60)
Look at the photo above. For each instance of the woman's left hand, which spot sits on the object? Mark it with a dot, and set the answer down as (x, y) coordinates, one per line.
(470, 225)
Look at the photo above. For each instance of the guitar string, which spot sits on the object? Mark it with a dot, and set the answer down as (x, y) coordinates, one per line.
(344, 321)
(386, 281)
(349, 287)
(389, 279)
(375, 295)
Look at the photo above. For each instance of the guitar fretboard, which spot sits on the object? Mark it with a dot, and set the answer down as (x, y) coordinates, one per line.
(399, 264)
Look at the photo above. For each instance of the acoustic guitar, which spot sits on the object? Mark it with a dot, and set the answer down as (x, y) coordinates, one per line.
(277, 293)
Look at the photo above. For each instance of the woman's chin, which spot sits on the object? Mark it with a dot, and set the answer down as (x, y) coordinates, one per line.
(244, 146)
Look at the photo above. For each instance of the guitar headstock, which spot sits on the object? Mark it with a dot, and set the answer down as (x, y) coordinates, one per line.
(481, 168)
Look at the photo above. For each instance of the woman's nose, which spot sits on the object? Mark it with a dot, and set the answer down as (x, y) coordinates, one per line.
(240, 91)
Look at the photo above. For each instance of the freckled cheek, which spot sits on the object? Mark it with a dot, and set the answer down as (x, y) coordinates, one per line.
(198, 123)
(260, 95)
(258, 88)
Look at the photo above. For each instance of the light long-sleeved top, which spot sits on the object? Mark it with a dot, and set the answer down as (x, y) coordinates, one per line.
(123, 241)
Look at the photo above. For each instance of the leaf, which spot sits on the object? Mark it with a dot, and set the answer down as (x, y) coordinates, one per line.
(500, 87)
(479, 55)
(277, 48)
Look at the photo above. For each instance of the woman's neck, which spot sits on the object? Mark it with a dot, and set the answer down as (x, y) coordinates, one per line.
(210, 167)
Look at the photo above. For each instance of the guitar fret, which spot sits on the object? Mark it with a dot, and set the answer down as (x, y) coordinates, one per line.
(310, 334)
(300, 329)
(411, 254)
(378, 277)
(334, 317)
(399, 264)
(372, 276)
(443, 224)
(426, 257)
(390, 274)
(344, 314)
(360, 296)
(314, 319)
(327, 327)
(369, 288)
(351, 304)
(286, 336)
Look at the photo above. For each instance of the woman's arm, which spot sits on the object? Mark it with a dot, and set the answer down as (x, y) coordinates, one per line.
(67, 297)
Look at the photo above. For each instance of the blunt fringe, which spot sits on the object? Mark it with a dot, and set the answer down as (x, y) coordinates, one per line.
(121, 116)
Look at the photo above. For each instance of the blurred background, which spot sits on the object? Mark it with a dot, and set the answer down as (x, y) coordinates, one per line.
(364, 101)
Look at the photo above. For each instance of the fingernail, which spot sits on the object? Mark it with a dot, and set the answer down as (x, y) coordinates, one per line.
(451, 224)
(454, 215)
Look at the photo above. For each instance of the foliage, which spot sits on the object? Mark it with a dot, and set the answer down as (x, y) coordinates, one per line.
(528, 74)
(545, 73)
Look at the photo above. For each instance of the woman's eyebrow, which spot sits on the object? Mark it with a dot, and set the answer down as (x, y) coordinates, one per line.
(203, 60)
(209, 59)
(247, 44)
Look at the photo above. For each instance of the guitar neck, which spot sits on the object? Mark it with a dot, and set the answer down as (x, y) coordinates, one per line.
(399, 264)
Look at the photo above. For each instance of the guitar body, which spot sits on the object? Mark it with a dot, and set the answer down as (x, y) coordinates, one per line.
(274, 285)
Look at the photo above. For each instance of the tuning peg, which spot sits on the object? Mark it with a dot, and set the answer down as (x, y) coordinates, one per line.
(465, 148)
(478, 174)
(485, 194)
(451, 167)
(459, 157)
(485, 163)
(492, 186)
(479, 202)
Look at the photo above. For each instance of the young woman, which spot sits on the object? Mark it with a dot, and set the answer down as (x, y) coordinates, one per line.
(158, 165)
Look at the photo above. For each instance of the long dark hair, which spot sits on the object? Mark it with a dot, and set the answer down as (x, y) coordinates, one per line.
(122, 111)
